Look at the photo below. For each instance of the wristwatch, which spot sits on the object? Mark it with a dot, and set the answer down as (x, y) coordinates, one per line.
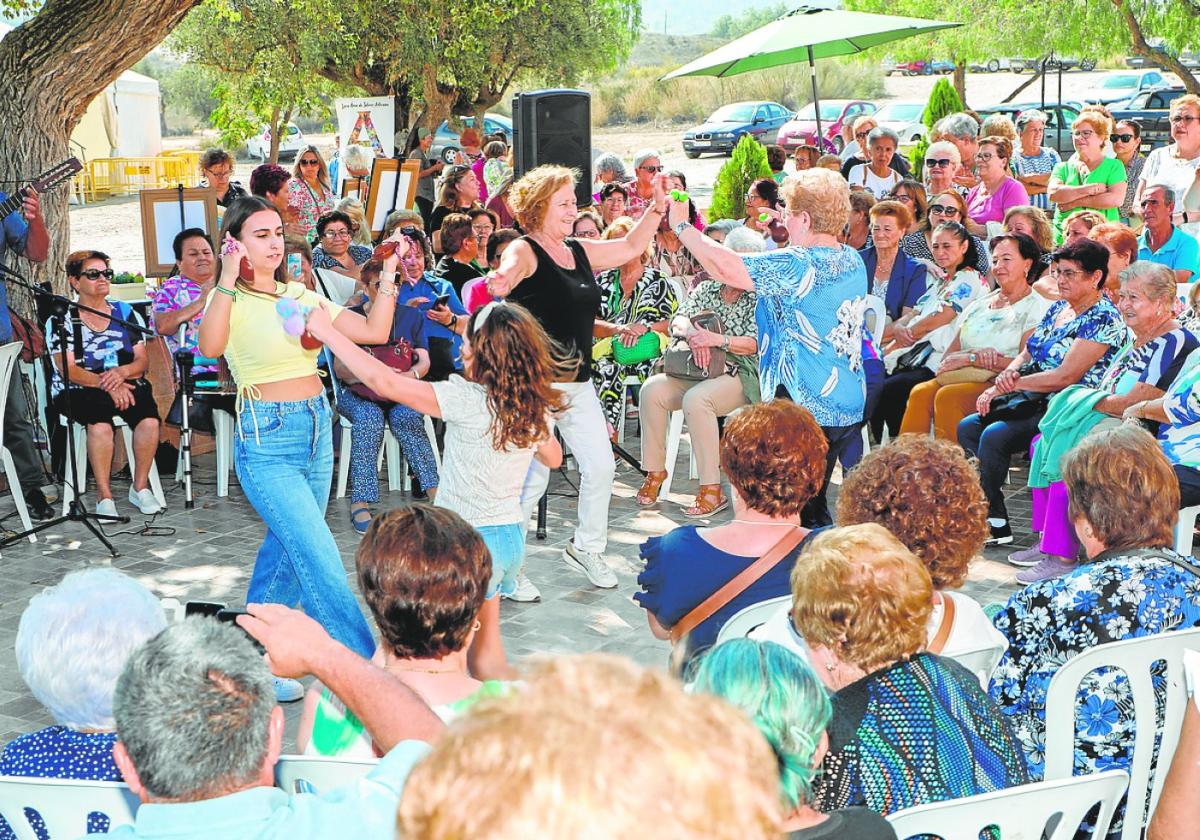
(680, 227)
(971, 357)
(725, 343)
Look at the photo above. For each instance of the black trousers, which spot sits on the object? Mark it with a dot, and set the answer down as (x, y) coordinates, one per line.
(840, 438)
(893, 400)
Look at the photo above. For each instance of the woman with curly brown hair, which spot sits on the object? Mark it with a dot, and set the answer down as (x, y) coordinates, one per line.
(774, 455)
(497, 420)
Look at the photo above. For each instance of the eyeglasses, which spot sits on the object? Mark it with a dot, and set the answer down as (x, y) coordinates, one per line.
(1083, 134)
(1180, 119)
(1123, 138)
(658, 168)
(942, 210)
(309, 162)
(860, 135)
(984, 157)
(937, 163)
(341, 233)
(587, 234)
(219, 174)
(482, 229)
(96, 274)
(1150, 202)
(903, 199)
(1068, 274)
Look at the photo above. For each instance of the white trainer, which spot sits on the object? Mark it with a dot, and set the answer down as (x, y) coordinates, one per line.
(288, 691)
(106, 507)
(144, 501)
(591, 564)
(526, 591)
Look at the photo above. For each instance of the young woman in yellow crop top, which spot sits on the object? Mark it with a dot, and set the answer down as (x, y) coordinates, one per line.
(283, 451)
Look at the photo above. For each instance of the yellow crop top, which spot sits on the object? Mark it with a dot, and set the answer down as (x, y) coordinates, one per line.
(258, 350)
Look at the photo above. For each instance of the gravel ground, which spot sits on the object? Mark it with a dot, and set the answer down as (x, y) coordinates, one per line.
(114, 226)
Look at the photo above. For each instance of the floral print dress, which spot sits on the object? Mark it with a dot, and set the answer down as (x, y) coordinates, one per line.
(310, 204)
(1048, 344)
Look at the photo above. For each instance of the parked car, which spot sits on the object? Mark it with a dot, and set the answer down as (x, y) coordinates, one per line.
(904, 118)
(1188, 58)
(910, 68)
(992, 65)
(445, 139)
(802, 129)
(726, 125)
(259, 146)
(942, 66)
(1120, 87)
(1058, 125)
(1150, 109)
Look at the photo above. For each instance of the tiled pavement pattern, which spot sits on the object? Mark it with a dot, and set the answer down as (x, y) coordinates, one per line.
(209, 557)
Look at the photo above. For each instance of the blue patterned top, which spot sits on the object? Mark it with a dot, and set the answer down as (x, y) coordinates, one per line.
(1048, 345)
(1042, 163)
(810, 325)
(916, 732)
(1180, 439)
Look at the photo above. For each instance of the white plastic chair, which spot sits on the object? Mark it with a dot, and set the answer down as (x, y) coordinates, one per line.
(8, 367)
(64, 805)
(317, 773)
(1134, 657)
(1185, 529)
(80, 433)
(1053, 810)
(750, 618)
(674, 436)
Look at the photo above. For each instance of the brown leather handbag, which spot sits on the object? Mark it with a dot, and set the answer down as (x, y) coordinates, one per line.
(678, 360)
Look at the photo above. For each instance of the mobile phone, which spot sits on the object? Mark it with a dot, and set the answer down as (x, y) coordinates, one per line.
(229, 616)
(208, 609)
(442, 300)
(293, 266)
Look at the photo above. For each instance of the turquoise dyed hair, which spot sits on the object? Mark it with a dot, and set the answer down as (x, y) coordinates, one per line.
(781, 694)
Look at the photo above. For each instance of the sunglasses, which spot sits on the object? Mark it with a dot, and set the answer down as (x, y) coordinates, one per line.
(942, 210)
(658, 168)
(1124, 138)
(96, 274)
(861, 135)
(309, 162)
(409, 230)
(937, 163)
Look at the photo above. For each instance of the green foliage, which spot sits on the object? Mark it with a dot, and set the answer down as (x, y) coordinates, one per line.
(746, 165)
(943, 101)
(729, 27)
(188, 100)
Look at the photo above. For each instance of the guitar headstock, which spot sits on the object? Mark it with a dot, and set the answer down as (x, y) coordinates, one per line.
(56, 174)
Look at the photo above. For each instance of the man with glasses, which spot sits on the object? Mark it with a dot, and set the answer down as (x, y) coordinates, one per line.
(216, 165)
(1161, 241)
(25, 234)
(863, 126)
(963, 131)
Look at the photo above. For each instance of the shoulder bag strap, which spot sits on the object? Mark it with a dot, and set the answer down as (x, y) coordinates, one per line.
(943, 634)
(1155, 553)
(736, 586)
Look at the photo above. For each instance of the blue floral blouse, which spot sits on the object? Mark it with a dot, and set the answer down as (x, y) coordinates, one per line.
(810, 326)
(1048, 345)
(1180, 439)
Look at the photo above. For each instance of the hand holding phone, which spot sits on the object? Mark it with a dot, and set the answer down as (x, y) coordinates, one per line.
(442, 300)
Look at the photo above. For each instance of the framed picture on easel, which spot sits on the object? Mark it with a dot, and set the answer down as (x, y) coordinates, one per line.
(356, 187)
(166, 212)
(393, 187)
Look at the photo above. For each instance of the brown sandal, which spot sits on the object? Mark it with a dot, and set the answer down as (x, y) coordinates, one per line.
(708, 501)
(648, 495)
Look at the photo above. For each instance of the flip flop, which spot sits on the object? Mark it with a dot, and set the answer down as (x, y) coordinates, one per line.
(361, 519)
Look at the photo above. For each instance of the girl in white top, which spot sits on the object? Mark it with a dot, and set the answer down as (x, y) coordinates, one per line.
(498, 418)
(876, 176)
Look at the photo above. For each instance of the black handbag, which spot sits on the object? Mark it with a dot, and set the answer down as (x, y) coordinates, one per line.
(679, 362)
(1016, 405)
(915, 357)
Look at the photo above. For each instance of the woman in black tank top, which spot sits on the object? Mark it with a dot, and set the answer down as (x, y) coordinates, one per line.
(551, 275)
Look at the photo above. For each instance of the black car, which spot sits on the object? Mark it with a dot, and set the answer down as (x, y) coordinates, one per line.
(1151, 111)
(1058, 123)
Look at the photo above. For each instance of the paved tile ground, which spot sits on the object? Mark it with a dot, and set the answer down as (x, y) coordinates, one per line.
(210, 551)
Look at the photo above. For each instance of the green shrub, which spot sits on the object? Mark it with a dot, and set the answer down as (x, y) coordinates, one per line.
(943, 101)
(746, 165)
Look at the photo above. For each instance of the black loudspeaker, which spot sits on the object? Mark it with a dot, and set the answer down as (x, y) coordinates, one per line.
(554, 126)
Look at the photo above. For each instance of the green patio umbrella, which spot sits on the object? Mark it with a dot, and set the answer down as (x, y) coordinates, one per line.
(807, 33)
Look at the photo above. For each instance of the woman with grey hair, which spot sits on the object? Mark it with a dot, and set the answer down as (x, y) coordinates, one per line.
(647, 163)
(941, 165)
(71, 646)
(1034, 162)
(963, 131)
(609, 168)
(876, 176)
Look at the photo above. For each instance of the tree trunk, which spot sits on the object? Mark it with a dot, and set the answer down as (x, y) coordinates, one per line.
(960, 81)
(1037, 75)
(439, 101)
(1140, 47)
(273, 154)
(51, 67)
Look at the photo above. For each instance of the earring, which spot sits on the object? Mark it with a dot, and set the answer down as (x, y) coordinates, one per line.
(478, 624)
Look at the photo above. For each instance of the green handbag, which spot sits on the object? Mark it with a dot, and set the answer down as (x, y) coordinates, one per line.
(648, 347)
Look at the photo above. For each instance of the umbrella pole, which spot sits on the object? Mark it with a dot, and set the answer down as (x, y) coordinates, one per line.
(812, 72)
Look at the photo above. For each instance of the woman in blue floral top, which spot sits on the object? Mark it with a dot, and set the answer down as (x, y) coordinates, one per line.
(1123, 499)
(810, 310)
(1073, 344)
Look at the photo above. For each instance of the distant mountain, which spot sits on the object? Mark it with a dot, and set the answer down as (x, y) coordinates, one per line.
(695, 17)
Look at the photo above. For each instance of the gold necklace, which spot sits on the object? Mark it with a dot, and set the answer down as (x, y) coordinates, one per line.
(429, 670)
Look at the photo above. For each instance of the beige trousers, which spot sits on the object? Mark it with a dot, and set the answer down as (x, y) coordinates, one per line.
(702, 403)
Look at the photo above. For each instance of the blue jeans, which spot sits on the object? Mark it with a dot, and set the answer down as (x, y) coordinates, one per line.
(506, 544)
(408, 427)
(994, 445)
(283, 453)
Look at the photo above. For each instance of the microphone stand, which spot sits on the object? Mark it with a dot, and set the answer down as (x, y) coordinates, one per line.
(76, 512)
(185, 359)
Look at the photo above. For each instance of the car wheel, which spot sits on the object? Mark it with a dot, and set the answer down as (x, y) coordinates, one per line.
(993, 66)
(915, 138)
(887, 72)
(1087, 65)
(449, 154)
(927, 70)
(1018, 68)
(691, 155)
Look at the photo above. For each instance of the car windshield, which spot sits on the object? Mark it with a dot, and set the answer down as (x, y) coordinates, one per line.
(900, 112)
(740, 113)
(829, 111)
(1120, 82)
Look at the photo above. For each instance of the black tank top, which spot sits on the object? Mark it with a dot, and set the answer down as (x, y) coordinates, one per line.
(565, 302)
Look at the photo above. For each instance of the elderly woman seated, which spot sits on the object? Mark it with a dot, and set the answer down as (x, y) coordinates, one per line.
(636, 301)
(941, 165)
(337, 250)
(703, 400)
(107, 381)
(1073, 344)
(71, 646)
(1122, 245)
(863, 603)
(787, 702)
(1123, 503)
(876, 175)
(774, 455)
(1142, 371)
(424, 573)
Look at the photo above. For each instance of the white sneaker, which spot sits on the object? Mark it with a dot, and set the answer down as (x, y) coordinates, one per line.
(591, 564)
(288, 691)
(525, 592)
(106, 507)
(144, 501)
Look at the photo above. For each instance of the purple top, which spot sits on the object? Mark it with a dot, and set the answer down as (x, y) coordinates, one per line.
(175, 293)
(983, 209)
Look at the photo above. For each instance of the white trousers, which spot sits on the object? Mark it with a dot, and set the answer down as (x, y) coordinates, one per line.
(586, 433)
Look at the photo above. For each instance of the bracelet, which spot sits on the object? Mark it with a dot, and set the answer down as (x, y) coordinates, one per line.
(725, 344)
(231, 292)
(388, 289)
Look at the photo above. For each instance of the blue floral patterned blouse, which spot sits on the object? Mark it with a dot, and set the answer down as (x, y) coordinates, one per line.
(1048, 345)
(810, 325)
(1180, 439)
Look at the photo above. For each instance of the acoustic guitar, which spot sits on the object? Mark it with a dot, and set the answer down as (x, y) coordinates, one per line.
(43, 183)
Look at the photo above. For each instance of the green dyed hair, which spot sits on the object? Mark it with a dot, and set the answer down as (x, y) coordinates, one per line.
(781, 694)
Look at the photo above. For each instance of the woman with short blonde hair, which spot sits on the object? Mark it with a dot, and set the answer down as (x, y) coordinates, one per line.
(1033, 222)
(862, 601)
(1175, 164)
(1089, 179)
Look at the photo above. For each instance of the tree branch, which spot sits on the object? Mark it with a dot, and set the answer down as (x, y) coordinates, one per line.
(1142, 48)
